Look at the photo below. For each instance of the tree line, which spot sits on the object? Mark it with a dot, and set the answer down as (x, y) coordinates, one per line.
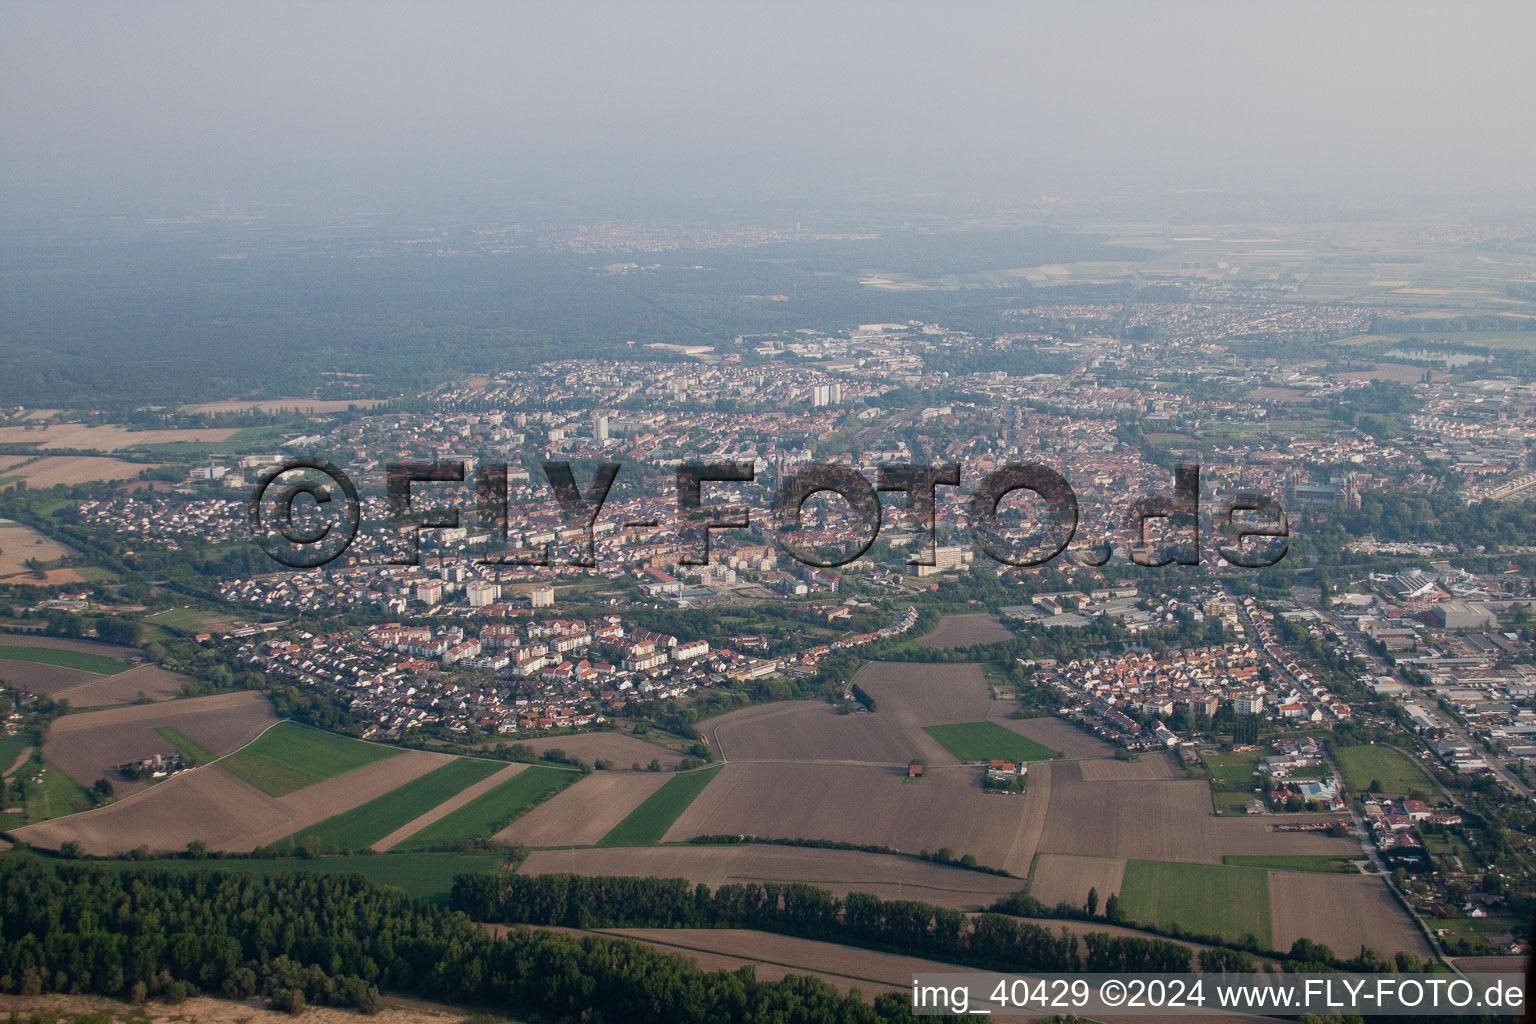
(338, 940)
(987, 941)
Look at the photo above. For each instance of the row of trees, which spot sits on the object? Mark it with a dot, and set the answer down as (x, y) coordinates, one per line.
(338, 940)
(988, 941)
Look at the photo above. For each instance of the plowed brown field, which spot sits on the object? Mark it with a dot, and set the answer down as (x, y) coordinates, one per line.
(1343, 912)
(585, 812)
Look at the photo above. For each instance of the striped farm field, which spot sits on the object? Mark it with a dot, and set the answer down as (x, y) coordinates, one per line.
(367, 823)
(491, 812)
(647, 823)
(289, 757)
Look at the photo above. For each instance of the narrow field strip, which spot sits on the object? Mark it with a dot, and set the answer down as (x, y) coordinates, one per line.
(492, 811)
(388, 842)
(367, 823)
(646, 824)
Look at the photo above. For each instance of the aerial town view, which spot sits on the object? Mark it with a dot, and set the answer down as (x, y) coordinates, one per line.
(472, 581)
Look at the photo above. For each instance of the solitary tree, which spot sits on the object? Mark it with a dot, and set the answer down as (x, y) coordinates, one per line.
(1093, 901)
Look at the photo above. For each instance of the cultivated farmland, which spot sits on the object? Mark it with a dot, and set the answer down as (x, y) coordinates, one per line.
(1343, 912)
(1061, 879)
(620, 748)
(290, 756)
(1054, 734)
(907, 697)
(149, 681)
(1157, 819)
(64, 657)
(874, 805)
(647, 823)
(986, 741)
(487, 814)
(1163, 819)
(838, 871)
(78, 469)
(584, 813)
(20, 544)
(1207, 899)
(464, 796)
(210, 804)
(965, 631)
(105, 438)
(368, 823)
(87, 746)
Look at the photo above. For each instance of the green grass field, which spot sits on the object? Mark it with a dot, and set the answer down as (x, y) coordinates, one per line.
(424, 875)
(366, 824)
(1391, 767)
(12, 746)
(289, 756)
(66, 659)
(1294, 862)
(190, 747)
(1231, 771)
(646, 824)
(1207, 899)
(986, 741)
(491, 812)
(1231, 801)
(56, 795)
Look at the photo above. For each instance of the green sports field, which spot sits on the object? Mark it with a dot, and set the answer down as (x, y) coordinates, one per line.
(491, 812)
(366, 824)
(1205, 899)
(1396, 772)
(646, 824)
(987, 741)
(289, 756)
(99, 663)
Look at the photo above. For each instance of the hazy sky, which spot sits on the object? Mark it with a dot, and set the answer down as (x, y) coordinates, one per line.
(258, 100)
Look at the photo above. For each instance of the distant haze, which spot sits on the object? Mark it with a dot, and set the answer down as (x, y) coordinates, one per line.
(138, 103)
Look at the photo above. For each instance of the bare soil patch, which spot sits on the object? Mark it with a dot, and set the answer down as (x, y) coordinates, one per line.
(79, 469)
(1062, 879)
(87, 746)
(1255, 836)
(152, 681)
(585, 812)
(965, 631)
(814, 731)
(1343, 912)
(105, 438)
(620, 748)
(838, 871)
(1150, 766)
(1142, 818)
(873, 805)
(20, 543)
(1056, 734)
(50, 679)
